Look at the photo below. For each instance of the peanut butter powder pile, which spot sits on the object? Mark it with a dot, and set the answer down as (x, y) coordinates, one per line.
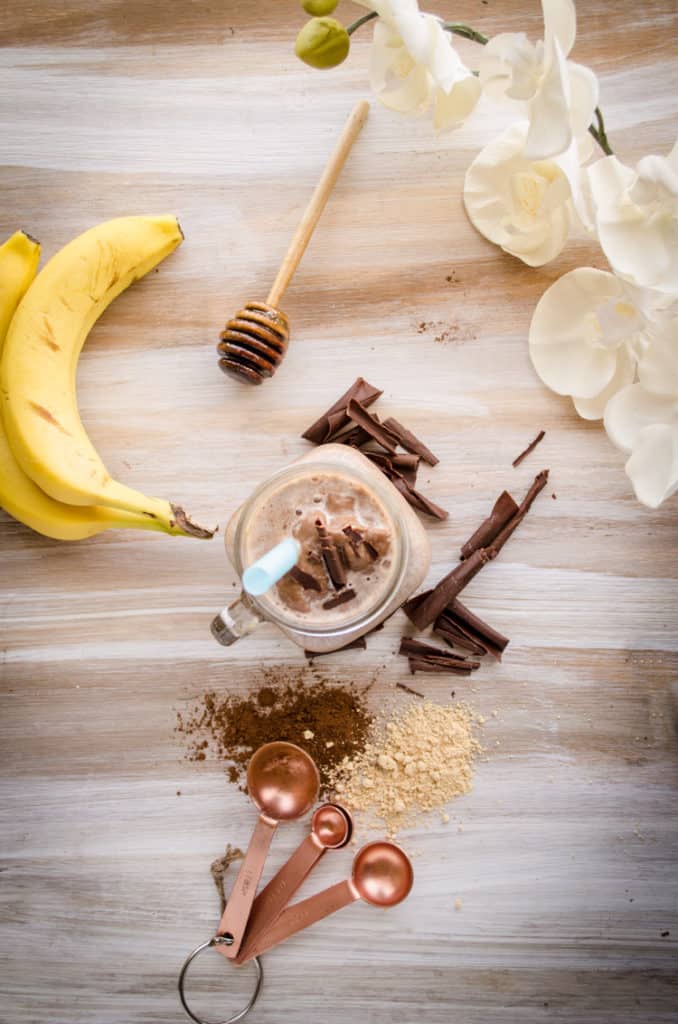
(416, 762)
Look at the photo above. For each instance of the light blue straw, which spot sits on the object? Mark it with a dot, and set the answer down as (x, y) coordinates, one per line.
(271, 567)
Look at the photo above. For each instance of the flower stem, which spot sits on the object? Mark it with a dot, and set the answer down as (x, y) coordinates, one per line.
(361, 21)
(467, 32)
(599, 133)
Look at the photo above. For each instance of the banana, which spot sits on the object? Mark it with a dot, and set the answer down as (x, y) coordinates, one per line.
(19, 496)
(37, 371)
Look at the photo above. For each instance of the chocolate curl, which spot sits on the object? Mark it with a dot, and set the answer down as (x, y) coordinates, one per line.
(418, 500)
(539, 484)
(327, 426)
(441, 666)
(456, 636)
(369, 423)
(342, 598)
(502, 512)
(422, 615)
(414, 602)
(331, 557)
(530, 448)
(476, 629)
(417, 649)
(407, 466)
(355, 437)
(410, 442)
(304, 579)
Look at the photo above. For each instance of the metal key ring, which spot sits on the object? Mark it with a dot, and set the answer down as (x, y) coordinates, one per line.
(216, 941)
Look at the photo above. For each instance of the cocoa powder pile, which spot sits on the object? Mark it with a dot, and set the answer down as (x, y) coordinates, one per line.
(330, 721)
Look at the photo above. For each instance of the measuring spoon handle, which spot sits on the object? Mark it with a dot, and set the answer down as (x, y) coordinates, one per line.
(234, 918)
(304, 914)
(275, 896)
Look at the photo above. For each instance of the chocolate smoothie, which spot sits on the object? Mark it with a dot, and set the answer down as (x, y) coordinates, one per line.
(347, 537)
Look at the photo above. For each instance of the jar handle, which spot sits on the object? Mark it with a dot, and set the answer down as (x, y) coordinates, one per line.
(236, 621)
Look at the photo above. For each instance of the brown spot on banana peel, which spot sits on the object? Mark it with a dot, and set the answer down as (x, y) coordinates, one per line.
(45, 414)
(186, 524)
(48, 335)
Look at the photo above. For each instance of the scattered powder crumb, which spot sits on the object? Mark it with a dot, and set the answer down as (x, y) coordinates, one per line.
(457, 904)
(178, 792)
(460, 829)
(308, 734)
(417, 761)
(445, 819)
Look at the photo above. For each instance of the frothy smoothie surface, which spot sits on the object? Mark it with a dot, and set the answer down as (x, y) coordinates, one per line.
(348, 547)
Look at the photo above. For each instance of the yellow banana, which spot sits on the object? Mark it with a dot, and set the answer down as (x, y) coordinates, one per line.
(19, 496)
(37, 372)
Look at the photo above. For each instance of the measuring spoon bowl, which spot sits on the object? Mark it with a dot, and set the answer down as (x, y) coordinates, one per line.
(331, 828)
(381, 875)
(283, 782)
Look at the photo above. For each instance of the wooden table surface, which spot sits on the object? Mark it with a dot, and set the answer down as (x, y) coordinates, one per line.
(564, 855)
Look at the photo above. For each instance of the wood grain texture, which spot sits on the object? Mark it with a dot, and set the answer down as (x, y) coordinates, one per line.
(566, 865)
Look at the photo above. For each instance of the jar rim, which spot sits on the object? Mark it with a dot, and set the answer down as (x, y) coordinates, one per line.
(386, 494)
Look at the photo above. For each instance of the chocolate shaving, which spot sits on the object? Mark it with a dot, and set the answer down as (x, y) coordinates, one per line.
(377, 431)
(408, 689)
(407, 466)
(417, 500)
(304, 579)
(473, 627)
(355, 537)
(336, 418)
(342, 598)
(331, 557)
(410, 442)
(422, 664)
(414, 602)
(422, 615)
(416, 648)
(502, 512)
(538, 485)
(456, 636)
(359, 644)
(530, 448)
(355, 437)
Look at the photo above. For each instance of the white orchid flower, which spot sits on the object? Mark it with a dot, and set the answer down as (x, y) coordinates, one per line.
(636, 217)
(642, 419)
(585, 337)
(519, 204)
(413, 65)
(558, 95)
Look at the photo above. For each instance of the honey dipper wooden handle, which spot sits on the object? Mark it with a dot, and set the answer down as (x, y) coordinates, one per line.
(316, 205)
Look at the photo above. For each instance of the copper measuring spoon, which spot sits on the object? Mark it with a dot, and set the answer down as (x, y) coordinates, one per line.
(381, 874)
(283, 782)
(331, 829)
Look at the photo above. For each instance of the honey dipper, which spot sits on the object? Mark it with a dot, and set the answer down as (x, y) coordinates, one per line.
(254, 342)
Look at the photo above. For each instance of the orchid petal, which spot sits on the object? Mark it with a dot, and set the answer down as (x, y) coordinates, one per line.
(594, 408)
(454, 107)
(653, 465)
(550, 132)
(632, 410)
(560, 23)
(584, 96)
(658, 367)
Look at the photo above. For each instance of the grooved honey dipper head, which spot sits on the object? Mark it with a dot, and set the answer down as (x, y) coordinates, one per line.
(254, 342)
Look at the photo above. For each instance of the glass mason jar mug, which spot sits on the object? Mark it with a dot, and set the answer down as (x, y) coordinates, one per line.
(386, 553)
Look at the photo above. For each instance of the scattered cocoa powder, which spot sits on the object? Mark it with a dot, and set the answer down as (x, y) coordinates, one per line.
(329, 720)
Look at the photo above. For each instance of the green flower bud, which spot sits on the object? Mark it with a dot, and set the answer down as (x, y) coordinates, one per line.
(318, 8)
(322, 43)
